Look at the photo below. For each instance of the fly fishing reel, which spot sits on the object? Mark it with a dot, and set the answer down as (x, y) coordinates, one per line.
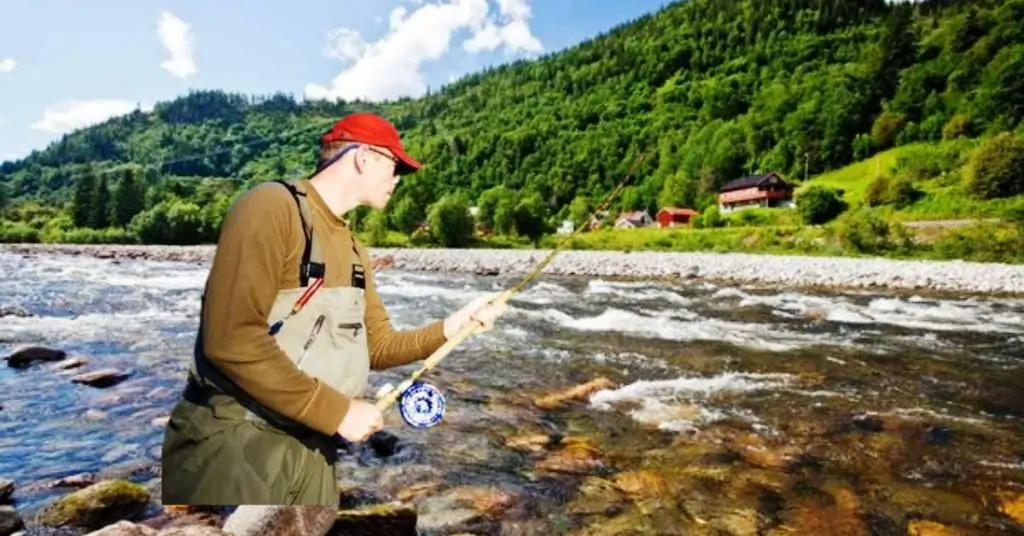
(421, 404)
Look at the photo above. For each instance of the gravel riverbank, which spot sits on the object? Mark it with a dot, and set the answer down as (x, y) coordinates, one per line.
(795, 271)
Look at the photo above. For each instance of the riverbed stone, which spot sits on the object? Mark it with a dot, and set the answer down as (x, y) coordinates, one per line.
(107, 377)
(272, 520)
(70, 364)
(6, 490)
(578, 457)
(578, 393)
(10, 521)
(393, 518)
(25, 357)
(96, 506)
(124, 528)
(1012, 505)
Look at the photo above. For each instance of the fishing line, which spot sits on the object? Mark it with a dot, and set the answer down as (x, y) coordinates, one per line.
(421, 404)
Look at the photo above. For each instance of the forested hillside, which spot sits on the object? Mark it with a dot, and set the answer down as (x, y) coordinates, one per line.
(709, 90)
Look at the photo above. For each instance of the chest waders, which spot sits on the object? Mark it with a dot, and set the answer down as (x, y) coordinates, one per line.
(223, 448)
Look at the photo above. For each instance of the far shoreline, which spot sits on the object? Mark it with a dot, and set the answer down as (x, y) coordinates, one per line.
(818, 273)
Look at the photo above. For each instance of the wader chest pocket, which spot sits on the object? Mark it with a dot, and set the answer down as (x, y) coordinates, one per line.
(353, 327)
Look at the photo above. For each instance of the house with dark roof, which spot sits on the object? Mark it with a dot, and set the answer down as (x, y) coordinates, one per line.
(633, 219)
(768, 190)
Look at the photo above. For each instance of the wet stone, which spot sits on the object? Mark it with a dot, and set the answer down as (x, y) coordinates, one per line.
(869, 423)
(938, 435)
(15, 311)
(102, 378)
(359, 496)
(25, 357)
(6, 490)
(69, 364)
(96, 506)
(378, 519)
(10, 520)
(76, 481)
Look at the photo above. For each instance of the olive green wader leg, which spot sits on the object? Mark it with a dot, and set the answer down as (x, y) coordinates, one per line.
(220, 452)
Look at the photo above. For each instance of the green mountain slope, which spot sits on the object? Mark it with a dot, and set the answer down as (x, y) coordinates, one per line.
(709, 90)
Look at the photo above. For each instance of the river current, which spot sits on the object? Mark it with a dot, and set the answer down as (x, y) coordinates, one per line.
(731, 406)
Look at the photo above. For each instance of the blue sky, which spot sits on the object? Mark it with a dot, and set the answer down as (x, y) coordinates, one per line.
(63, 66)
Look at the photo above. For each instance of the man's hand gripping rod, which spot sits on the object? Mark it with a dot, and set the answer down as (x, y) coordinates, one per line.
(389, 395)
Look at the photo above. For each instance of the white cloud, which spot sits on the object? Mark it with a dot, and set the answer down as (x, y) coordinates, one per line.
(7, 65)
(513, 31)
(177, 37)
(390, 68)
(74, 114)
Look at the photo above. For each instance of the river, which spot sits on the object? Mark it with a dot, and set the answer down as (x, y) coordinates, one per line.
(733, 408)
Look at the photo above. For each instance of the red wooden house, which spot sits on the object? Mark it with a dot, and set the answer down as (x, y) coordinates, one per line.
(673, 216)
(769, 190)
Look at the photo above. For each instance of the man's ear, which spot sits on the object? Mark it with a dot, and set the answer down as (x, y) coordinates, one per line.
(359, 158)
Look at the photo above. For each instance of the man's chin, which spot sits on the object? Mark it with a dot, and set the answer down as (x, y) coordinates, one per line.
(379, 204)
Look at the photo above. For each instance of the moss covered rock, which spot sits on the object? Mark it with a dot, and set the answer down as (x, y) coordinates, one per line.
(96, 506)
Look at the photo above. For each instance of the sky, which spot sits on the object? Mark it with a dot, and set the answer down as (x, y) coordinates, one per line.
(64, 66)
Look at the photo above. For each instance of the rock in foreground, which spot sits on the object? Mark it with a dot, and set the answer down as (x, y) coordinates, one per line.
(96, 506)
(10, 521)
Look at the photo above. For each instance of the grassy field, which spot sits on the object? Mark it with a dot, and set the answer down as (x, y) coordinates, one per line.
(934, 169)
(855, 178)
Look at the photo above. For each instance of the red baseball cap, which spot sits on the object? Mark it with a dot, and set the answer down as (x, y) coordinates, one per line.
(366, 127)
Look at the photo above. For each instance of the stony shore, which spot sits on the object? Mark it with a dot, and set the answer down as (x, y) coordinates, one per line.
(787, 270)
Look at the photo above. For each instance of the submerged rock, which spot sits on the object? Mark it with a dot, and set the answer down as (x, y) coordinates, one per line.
(1012, 506)
(579, 393)
(575, 457)
(96, 506)
(25, 357)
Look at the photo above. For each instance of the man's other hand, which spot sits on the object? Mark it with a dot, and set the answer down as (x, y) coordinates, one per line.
(361, 421)
(483, 310)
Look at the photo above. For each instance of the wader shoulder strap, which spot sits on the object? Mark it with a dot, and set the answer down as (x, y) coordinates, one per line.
(312, 266)
(312, 257)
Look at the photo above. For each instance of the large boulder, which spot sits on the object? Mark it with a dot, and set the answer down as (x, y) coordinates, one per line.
(96, 506)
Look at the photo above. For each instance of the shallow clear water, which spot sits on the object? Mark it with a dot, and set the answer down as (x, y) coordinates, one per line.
(858, 391)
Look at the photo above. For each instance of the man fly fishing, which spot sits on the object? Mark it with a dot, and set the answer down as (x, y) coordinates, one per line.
(290, 327)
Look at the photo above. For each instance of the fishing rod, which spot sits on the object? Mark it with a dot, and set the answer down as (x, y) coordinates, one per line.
(421, 404)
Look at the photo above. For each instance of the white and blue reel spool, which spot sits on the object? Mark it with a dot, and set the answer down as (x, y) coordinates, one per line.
(422, 405)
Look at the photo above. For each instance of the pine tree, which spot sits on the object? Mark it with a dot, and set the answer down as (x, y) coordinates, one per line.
(99, 213)
(82, 202)
(128, 199)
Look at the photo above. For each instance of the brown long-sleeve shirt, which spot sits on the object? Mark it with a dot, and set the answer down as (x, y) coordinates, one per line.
(258, 253)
